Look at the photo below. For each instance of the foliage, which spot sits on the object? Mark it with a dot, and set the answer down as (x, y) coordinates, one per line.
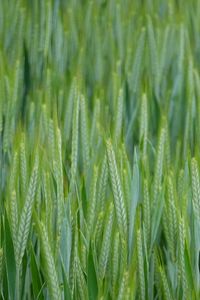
(99, 149)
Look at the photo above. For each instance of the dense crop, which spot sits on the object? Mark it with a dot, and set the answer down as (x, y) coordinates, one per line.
(99, 149)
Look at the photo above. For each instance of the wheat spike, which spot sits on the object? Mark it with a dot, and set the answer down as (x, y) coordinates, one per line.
(117, 191)
(92, 202)
(140, 265)
(25, 218)
(195, 188)
(50, 269)
(159, 165)
(182, 257)
(13, 209)
(106, 243)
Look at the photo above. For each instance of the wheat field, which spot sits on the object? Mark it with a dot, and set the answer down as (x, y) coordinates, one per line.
(99, 149)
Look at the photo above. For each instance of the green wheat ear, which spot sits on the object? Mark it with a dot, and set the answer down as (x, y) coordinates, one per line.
(123, 287)
(103, 182)
(91, 215)
(117, 190)
(26, 214)
(106, 243)
(166, 289)
(50, 269)
(182, 266)
(146, 211)
(81, 284)
(159, 164)
(140, 258)
(13, 210)
(195, 188)
(115, 262)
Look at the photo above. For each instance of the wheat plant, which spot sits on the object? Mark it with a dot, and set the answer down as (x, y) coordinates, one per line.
(99, 149)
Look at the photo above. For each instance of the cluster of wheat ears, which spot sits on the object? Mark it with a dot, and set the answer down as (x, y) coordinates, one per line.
(99, 149)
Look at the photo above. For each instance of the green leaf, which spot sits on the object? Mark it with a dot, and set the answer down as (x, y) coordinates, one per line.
(9, 260)
(92, 277)
(35, 275)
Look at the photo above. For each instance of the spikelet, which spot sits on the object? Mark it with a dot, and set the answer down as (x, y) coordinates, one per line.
(106, 243)
(124, 254)
(25, 218)
(47, 197)
(159, 165)
(73, 258)
(181, 247)
(13, 209)
(103, 181)
(156, 264)
(195, 188)
(115, 262)
(140, 265)
(171, 216)
(98, 229)
(81, 284)
(92, 202)
(123, 287)
(166, 290)
(50, 269)
(167, 150)
(83, 256)
(146, 212)
(95, 122)
(84, 134)
(117, 191)
(181, 187)
(125, 162)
